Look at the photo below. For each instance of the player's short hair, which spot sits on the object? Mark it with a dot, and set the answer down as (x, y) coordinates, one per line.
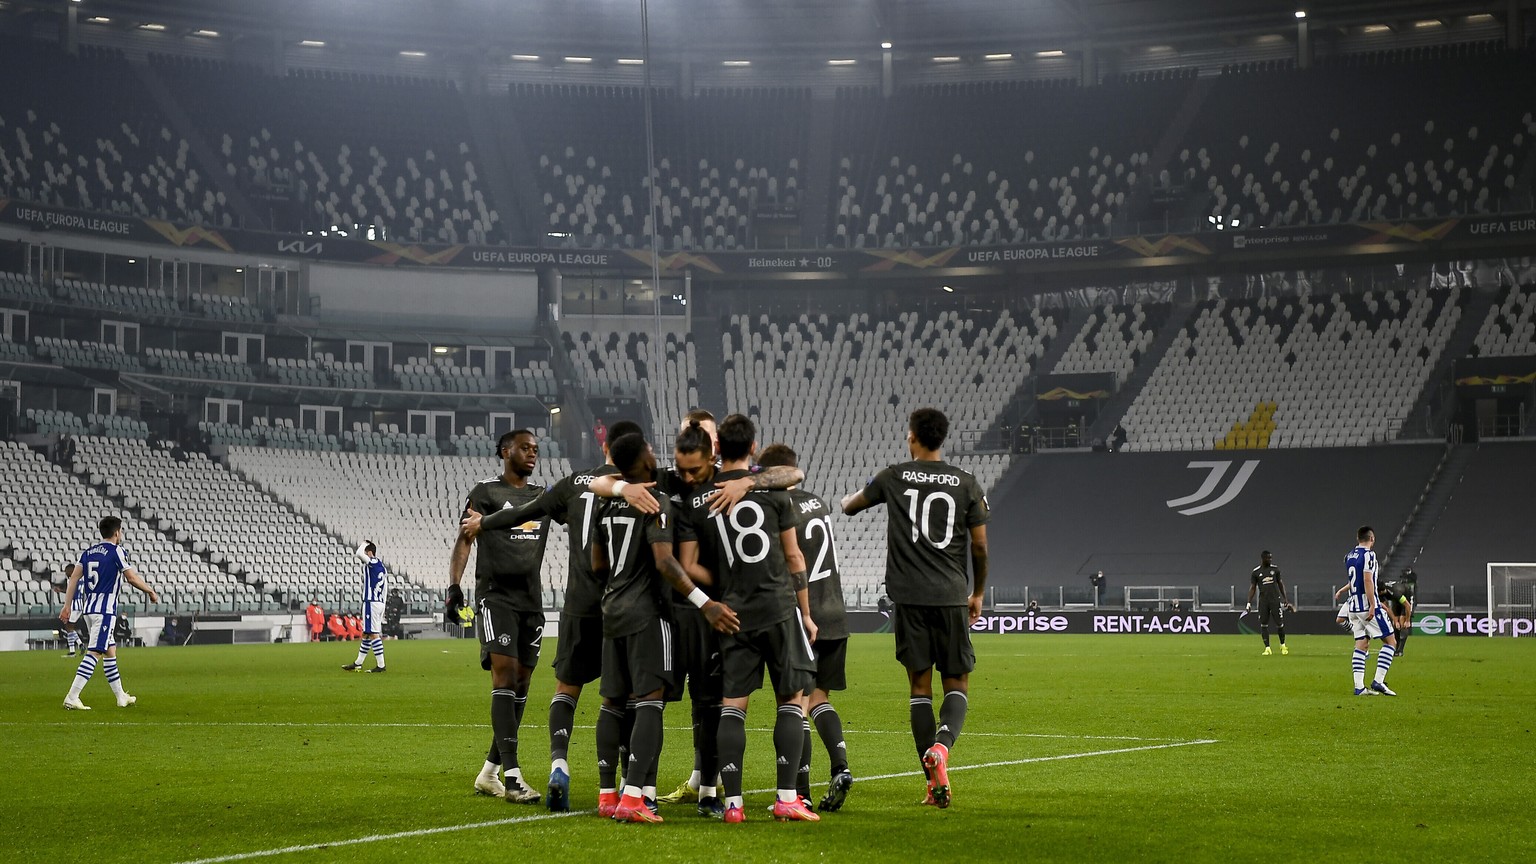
(109, 527)
(775, 455)
(626, 451)
(1264, 554)
(371, 549)
(698, 415)
(929, 426)
(694, 439)
(737, 433)
(1364, 533)
(620, 428)
(506, 440)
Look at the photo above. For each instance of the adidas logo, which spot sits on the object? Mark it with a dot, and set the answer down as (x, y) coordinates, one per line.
(730, 767)
(944, 728)
(783, 761)
(842, 746)
(562, 733)
(602, 763)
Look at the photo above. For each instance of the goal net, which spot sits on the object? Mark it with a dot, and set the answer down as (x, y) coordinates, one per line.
(1511, 591)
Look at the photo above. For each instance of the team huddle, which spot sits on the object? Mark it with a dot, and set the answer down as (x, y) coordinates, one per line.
(699, 579)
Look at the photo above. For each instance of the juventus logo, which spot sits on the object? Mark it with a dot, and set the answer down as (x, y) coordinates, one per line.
(1217, 471)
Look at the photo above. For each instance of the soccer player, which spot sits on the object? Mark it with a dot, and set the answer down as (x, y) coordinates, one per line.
(1399, 605)
(763, 579)
(1366, 616)
(579, 651)
(375, 588)
(937, 513)
(813, 533)
(97, 577)
(692, 483)
(511, 606)
(632, 553)
(72, 631)
(1266, 582)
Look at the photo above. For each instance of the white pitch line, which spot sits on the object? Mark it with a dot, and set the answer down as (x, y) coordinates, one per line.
(107, 724)
(425, 832)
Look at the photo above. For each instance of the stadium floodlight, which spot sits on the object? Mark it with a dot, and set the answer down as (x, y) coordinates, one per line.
(413, 53)
(525, 57)
(210, 34)
(735, 62)
(239, 269)
(578, 59)
(1376, 28)
(1301, 14)
(155, 27)
(841, 62)
(312, 43)
(885, 46)
(999, 56)
(1429, 22)
(947, 289)
(98, 20)
(947, 58)
(439, 349)
(630, 61)
(555, 410)
(1054, 52)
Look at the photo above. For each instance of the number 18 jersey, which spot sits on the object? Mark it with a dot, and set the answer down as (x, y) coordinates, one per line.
(932, 508)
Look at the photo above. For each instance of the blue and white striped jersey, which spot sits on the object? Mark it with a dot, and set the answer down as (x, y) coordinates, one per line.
(103, 566)
(1358, 563)
(375, 579)
(77, 605)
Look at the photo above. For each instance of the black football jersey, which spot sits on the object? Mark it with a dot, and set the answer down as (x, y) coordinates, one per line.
(931, 508)
(1268, 580)
(814, 531)
(750, 566)
(507, 562)
(634, 594)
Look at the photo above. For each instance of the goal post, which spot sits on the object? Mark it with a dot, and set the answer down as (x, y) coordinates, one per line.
(1511, 591)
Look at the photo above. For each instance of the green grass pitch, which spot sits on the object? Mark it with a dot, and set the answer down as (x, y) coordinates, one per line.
(1081, 747)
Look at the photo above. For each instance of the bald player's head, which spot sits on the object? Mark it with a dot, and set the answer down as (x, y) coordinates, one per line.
(707, 421)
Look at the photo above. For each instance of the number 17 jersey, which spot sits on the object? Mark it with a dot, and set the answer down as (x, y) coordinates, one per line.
(932, 507)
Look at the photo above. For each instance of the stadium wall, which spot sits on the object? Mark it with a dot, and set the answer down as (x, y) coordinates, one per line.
(1487, 519)
(1200, 519)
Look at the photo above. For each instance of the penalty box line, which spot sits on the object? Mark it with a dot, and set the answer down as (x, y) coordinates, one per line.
(108, 724)
(541, 817)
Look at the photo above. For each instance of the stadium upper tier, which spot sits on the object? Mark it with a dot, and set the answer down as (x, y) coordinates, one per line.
(930, 165)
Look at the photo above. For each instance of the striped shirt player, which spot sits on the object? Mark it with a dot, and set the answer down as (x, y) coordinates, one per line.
(375, 589)
(96, 580)
(1366, 617)
(76, 607)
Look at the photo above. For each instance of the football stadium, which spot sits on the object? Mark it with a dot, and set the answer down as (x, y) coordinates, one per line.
(471, 429)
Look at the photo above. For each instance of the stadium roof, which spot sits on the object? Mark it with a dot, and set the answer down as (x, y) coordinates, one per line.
(757, 28)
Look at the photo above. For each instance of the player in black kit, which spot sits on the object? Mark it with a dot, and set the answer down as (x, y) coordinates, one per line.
(1266, 582)
(824, 588)
(937, 513)
(632, 553)
(510, 617)
(579, 650)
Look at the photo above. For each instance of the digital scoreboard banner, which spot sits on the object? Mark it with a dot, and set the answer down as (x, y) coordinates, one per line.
(1473, 233)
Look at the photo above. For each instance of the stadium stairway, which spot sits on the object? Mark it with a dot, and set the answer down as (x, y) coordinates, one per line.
(1022, 404)
(1432, 503)
(1430, 417)
(1163, 153)
(504, 164)
(818, 171)
(573, 396)
(1115, 407)
(711, 364)
(204, 154)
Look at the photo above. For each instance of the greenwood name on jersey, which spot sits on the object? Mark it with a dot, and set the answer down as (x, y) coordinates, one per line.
(814, 532)
(1356, 565)
(570, 503)
(507, 562)
(634, 594)
(101, 577)
(750, 562)
(1268, 580)
(931, 507)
